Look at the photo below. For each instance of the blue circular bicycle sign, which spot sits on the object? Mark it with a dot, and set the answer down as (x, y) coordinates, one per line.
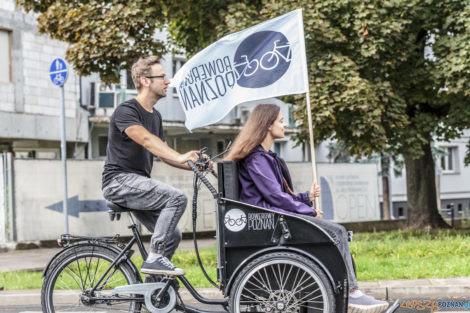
(58, 72)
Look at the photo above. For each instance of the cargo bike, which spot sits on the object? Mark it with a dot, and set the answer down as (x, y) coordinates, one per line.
(267, 261)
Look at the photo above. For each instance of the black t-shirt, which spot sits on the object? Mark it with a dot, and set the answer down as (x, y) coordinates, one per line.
(124, 155)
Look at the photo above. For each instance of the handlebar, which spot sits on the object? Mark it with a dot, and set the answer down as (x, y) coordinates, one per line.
(203, 178)
(204, 164)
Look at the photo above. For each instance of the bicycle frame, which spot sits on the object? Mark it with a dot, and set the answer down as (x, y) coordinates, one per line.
(66, 244)
(124, 255)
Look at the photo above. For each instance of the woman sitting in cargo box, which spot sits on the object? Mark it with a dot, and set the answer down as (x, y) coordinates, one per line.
(265, 181)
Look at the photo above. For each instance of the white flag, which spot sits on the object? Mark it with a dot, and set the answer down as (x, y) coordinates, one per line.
(263, 61)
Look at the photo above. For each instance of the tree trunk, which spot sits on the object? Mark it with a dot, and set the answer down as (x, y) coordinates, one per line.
(421, 192)
(386, 198)
(385, 164)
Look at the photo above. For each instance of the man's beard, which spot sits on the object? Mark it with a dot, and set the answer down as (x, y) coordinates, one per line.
(158, 95)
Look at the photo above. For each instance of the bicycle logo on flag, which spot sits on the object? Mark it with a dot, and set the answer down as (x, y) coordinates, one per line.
(269, 61)
(261, 59)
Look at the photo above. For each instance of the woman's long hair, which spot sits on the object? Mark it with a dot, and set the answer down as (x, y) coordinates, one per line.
(254, 131)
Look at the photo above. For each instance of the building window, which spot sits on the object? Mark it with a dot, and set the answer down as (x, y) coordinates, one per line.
(449, 160)
(291, 115)
(92, 94)
(106, 96)
(277, 148)
(25, 154)
(106, 100)
(401, 212)
(5, 56)
(177, 64)
(130, 82)
(244, 114)
(102, 145)
(220, 146)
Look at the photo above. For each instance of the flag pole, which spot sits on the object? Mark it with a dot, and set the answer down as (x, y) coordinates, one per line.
(312, 147)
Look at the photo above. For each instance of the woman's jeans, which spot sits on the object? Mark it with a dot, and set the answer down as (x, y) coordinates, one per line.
(156, 205)
(340, 237)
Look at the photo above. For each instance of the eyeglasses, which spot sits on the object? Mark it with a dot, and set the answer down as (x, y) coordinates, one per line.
(158, 76)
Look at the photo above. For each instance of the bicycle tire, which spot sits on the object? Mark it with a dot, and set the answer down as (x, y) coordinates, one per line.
(79, 266)
(275, 282)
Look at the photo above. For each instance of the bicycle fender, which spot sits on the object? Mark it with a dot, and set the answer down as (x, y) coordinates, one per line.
(65, 249)
(88, 243)
(275, 249)
(46, 268)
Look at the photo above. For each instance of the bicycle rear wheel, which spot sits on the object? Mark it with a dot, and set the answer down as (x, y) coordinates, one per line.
(67, 286)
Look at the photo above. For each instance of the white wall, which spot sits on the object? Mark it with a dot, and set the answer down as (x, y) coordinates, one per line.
(38, 184)
(3, 204)
(457, 185)
(30, 106)
(351, 190)
(40, 95)
(8, 5)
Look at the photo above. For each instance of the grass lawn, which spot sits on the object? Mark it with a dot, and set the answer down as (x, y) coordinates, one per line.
(378, 256)
(412, 254)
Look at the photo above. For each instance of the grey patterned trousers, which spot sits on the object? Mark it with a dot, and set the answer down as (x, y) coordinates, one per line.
(156, 205)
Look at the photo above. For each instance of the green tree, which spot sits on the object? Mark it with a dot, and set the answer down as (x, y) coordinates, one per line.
(104, 36)
(385, 76)
(374, 84)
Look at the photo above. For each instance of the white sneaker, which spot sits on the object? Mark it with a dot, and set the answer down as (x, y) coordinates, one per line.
(361, 303)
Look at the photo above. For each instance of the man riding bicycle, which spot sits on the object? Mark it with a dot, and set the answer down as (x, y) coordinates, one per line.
(135, 137)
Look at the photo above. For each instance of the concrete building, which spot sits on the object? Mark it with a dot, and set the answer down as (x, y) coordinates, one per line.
(30, 104)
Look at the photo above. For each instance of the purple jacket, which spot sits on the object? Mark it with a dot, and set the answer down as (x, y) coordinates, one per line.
(262, 184)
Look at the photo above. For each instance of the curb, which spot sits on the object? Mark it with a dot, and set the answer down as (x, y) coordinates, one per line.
(33, 297)
(407, 292)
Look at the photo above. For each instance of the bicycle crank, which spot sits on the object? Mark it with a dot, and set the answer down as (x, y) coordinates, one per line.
(154, 302)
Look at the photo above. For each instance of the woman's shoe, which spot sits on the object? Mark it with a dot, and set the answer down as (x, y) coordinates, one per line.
(358, 302)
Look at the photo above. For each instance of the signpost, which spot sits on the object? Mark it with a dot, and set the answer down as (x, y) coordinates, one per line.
(58, 73)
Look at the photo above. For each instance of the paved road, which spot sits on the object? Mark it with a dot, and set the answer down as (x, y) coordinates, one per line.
(402, 309)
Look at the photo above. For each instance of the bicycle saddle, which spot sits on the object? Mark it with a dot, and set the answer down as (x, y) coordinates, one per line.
(116, 207)
(115, 210)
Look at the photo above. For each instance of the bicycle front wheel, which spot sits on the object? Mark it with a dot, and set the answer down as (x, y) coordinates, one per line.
(67, 287)
(282, 282)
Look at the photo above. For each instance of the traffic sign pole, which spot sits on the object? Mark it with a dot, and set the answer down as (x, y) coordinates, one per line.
(63, 146)
(58, 73)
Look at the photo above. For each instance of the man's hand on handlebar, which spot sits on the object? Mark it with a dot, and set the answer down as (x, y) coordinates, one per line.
(192, 156)
(204, 161)
(207, 160)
